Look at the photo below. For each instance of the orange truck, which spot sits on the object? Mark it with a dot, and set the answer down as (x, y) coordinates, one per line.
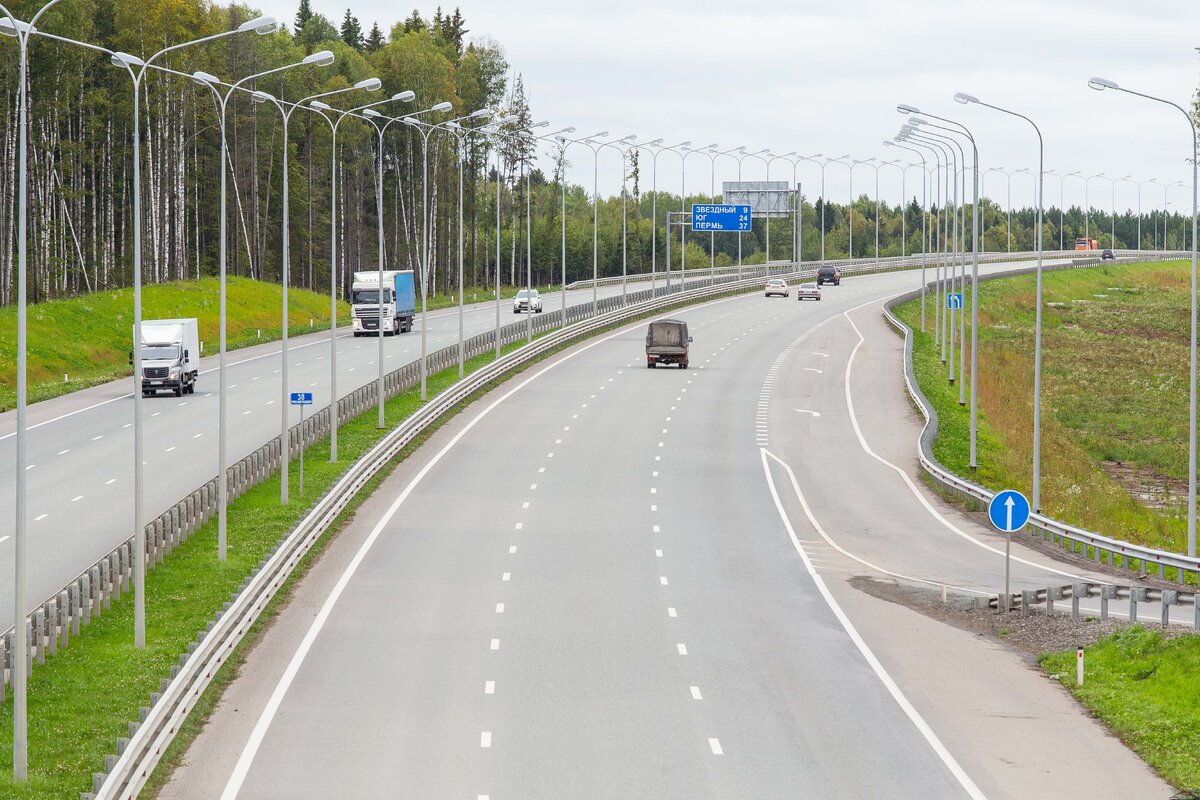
(1086, 244)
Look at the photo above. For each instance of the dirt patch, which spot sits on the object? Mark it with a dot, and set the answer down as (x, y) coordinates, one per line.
(1033, 635)
(1151, 489)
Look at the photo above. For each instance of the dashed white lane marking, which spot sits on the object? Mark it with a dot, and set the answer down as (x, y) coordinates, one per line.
(558, 441)
(127, 425)
(244, 413)
(29, 467)
(822, 355)
(64, 452)
(97, 438)
(715, 746)
(660, 444)
(653, 507)
(197, 435)
(495, 644)
(506, 576)
(512, 549)
(525, 504)
(311, 385)
(814, 369)
(656, 529)
(270, 402)
(169, 449)
(77, 498)
(184, 403)
(696, 693)
(909, 710)
(40, 517)
(489, 687)
(485, 739)
(532, 486)
(761, 436)
(662, 580)
(541, 470)
(671, 612)
(653, 490)
(256, 377)
(550, 455)
(520, 525)
(664, 430)
(156, 413)
(110, 481)
(658, 554)
(499, 608)
(682, 648)
(3, 539)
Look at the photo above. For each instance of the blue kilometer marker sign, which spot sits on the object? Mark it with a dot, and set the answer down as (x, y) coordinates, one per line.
(302, 398)
(954, 300)
(720, 218)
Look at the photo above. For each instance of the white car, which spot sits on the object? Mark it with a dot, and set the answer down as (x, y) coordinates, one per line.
(527, 300)
(808, 291)
(777, 286)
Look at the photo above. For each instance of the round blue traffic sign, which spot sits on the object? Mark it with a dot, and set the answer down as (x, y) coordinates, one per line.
(1008, 511)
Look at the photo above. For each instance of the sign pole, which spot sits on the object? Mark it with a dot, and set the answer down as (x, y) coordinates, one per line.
(302, 437)
(1008, 512)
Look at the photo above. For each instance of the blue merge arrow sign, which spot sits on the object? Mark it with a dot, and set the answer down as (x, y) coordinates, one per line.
(302, 398)
(1008, 511)
(954, 300)
(720, 217)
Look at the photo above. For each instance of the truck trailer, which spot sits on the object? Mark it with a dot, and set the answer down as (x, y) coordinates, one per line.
(399, 302)
(170, 351)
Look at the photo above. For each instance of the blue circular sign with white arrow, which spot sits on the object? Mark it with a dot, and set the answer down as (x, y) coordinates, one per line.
(1008, 511)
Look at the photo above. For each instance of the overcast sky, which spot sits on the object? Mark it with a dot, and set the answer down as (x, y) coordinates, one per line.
(819, 76)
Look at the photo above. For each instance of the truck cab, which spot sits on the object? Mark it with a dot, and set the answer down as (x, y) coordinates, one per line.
(170, 356)
(396, 294)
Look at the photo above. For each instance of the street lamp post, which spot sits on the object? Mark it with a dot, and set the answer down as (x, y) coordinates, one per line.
(1139, 230)
(825, 200)
(675, 148)
(1008, 202)
(949, 234)
(908, 109)
(1100, 84)
(798, 216)
(321, 109)
(685, 152)
(924, 207)
(1062, 179)
(771, 158)
(1087, 206)
(870, 162)
(937, 229)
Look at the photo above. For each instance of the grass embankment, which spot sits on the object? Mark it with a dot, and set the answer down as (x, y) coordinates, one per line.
(1114, 395)
(88, 338)
(1147, 690)
(81, 700)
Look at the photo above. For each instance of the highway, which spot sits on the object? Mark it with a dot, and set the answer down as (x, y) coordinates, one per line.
(80, 445)
(607, 581)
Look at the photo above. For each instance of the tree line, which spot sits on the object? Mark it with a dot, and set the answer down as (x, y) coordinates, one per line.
(80, 167)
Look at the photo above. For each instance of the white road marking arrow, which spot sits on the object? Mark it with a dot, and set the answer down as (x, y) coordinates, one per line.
(806, 411)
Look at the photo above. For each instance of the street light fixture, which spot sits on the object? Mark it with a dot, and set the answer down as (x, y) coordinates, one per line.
(924, 207)
(1101, 84)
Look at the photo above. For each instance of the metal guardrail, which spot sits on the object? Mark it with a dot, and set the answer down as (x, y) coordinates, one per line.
(847, 264)
(1025, 601)
(1118, 553)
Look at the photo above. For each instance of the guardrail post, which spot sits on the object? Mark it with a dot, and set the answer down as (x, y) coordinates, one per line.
(123, 556)
(39, 634)
(1027, 601)
(1106, 593)
(64, 617)
(1170, 597)
(106, 585)
(97, 589)
(1078, 590)
(5, 649)
(114, 569)
(1052, 593)
(85, 598)
(52, 625)
(1135, 594)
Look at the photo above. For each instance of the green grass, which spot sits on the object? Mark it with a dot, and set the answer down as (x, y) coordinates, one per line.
(1147, 690)
(88, 337)
(1115, 389)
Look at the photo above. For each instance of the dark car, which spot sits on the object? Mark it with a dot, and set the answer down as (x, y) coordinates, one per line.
(1108, 255)
(829, 275)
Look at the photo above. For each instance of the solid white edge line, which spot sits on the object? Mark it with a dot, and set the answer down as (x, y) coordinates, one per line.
(904, 475)
(909, 710)
(246, 756)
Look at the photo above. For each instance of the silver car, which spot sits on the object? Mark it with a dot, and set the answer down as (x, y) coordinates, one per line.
(527, 300)
(808, 291)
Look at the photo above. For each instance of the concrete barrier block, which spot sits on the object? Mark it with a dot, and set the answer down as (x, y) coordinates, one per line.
(97, 590)
(106, 584)
(52, 626)
(122, 743)
(39, 634)
(64, 617)
(73, 590)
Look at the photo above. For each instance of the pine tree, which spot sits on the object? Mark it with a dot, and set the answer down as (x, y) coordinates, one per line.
(414, 22)
(303, 15)
(351, 32)
(374, 39)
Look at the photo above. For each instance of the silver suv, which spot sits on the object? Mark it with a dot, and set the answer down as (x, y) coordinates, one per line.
(527, 300)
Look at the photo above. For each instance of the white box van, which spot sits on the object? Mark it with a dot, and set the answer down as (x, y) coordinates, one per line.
(170, 350)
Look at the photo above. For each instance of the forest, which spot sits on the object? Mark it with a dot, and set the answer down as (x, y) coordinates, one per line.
(80, 164)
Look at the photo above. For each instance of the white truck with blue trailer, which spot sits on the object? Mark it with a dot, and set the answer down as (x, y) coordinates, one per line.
(399, 300)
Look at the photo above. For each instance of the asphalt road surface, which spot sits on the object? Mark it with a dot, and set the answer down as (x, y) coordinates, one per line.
(608, 581)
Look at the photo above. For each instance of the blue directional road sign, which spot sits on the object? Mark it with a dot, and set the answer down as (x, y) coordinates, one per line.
(302, 398)
(720, 218)
(954, 300)
(1008, 511)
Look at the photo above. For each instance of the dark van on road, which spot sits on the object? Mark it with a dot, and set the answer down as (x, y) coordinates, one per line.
(667, 342)
(829, 275)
